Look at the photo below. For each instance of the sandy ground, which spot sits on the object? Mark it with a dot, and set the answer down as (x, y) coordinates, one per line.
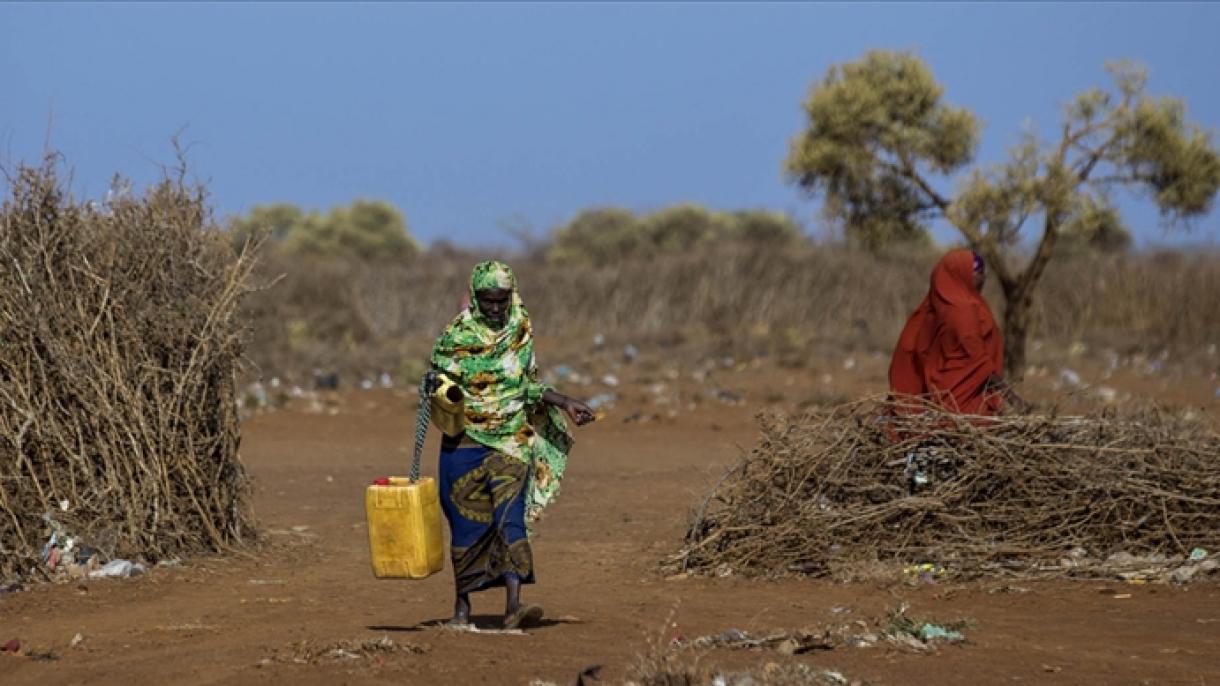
(623, 509)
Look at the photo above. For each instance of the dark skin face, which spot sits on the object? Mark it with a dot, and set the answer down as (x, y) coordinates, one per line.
(494, 304)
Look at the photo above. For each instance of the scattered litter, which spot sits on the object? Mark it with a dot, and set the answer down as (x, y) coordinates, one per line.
(118, 569)
(934, 632)
(385, 380)
(1197, 554)
(849, 364)
(565, 374)
(610, 380)
(602, 400)
(366, 385)
(1187, 573)
(306, 652)
(925, 572)
(726, 397)
(267, 582)
(14, 587)
(1121, 596)
(1106, 394)
(258, 393)
(599, 341)
(13, 646)
(785, 642)
(776, 673)
(1069, 377)
(1008, 589)
(76, 641)
(630, 353)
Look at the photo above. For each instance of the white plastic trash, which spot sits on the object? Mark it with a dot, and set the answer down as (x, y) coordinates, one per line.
(118, 569)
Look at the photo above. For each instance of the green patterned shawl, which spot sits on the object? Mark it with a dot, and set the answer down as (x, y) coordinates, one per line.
(503, 398)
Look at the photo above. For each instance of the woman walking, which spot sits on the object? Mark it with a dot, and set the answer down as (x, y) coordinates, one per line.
(498, 475)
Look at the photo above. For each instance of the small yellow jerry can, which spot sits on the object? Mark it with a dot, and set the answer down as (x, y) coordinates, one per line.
(448, 406)
(404, 519)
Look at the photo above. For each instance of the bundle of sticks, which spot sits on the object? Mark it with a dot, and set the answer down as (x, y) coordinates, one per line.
(870, 481)
(120, 344)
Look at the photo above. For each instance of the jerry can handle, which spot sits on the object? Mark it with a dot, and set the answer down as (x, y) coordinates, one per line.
(423, 416)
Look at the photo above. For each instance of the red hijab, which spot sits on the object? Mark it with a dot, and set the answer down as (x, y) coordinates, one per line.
(950, 344)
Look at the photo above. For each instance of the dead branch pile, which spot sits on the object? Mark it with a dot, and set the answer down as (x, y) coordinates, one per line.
(118, 419)
(1017, 495)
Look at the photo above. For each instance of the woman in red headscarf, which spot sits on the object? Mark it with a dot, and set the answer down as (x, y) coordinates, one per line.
(951, 352)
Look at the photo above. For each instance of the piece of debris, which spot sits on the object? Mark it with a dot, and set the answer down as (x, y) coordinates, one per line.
(602, 400)
(118, 569)
(630, 353)
(307, 652)
(935, 632)
(785, 642)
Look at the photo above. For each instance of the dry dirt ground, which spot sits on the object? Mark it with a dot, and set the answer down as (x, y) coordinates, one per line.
(624, 506)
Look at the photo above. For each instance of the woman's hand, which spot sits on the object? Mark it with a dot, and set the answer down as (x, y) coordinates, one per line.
(577, 411)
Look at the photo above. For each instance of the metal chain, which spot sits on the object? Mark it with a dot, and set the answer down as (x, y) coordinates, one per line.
(422, 417)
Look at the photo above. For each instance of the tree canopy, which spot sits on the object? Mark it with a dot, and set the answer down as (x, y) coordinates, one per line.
(364, 230)
(603, 235)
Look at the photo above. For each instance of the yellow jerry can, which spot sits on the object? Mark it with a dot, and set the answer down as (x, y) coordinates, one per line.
(448, 407)
(404, 519)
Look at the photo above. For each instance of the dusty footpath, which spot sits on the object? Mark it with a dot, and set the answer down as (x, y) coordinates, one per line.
(624, 507)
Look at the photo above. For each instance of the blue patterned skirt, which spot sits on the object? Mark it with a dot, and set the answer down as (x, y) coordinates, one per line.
(483, 497)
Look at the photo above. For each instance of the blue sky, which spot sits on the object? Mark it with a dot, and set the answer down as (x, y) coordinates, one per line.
(468, 116)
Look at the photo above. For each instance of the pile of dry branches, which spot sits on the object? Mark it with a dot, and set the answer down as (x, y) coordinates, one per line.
(118, 351)
(1020, 495)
